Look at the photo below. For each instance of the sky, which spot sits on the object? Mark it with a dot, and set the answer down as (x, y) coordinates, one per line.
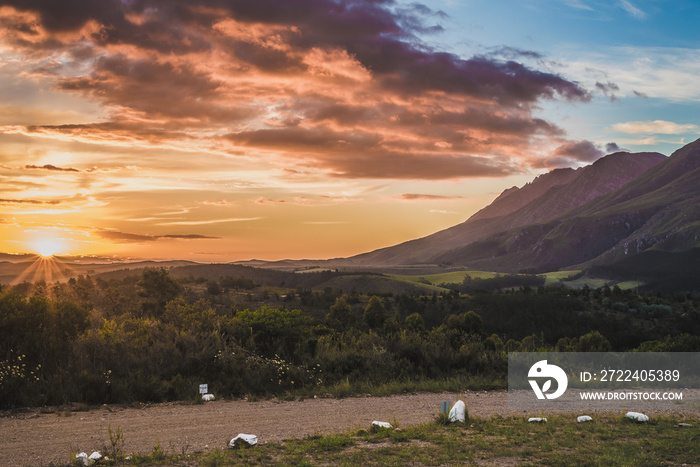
(224, 130)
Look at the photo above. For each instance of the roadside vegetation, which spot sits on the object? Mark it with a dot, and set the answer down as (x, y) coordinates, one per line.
(608, 440)
(156, 334)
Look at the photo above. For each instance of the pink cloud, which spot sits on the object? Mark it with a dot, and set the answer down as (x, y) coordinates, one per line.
(344, 88)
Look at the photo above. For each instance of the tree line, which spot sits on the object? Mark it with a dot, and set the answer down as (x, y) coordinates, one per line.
(151, 337)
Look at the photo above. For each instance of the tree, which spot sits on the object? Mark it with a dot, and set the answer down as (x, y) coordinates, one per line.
(594, 341)
(341, 312)
(229, 282)
(375, 313)
(158, 287)
(468, 323)
(494, 343)
(415, 322)
(272, 331)
(213, 288)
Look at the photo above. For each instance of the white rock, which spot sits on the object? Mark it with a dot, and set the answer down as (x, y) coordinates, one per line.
(382, 424)
(584, 418)
(248, 439)
(95, 456)
(82, 458)
(537, 420)
(458, 412)
(207, 397)
(636, 416)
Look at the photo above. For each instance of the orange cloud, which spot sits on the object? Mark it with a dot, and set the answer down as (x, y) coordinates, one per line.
(414, 196)
(344, 87)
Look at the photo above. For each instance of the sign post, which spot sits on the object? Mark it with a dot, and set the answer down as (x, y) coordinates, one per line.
(203, 388)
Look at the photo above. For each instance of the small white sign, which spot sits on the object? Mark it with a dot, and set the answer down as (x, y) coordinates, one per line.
(203, 388)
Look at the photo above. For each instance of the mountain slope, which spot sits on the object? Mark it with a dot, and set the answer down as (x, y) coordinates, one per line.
(515, 198)
(658, 209)
(545, 198)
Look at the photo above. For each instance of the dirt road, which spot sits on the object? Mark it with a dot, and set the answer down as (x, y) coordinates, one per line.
(35, 438)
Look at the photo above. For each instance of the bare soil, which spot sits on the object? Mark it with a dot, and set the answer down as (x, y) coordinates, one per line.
(44, 436)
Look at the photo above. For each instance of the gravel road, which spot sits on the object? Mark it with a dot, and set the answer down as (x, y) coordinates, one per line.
(35, 437)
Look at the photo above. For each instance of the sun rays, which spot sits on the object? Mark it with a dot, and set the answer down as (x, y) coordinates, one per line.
(45, 268)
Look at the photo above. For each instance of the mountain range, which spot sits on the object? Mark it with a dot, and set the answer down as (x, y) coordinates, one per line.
(622, 205)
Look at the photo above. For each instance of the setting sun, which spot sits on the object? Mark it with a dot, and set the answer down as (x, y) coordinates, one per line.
(48, 247)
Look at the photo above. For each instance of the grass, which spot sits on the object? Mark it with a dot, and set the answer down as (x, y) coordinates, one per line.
(555, 277)
(629, 285)
(416, 281)
(591, 282)
(608, 440)
(304, 271)
(456, 384)
(431, 281)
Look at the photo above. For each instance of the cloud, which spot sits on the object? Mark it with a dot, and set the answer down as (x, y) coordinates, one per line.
(413, 196)
(28, 201)
(611, 148)
(609, 89)
(573, 153)
(656, 127)
(579, 5)
(582, 151)
(270, 201)
(211, 221)
(420, 166)
(513, 53)
(111, 132)
(325, 222)
(668, 73)
(344, 88)
(632, 10)
(124, 237)
(369, 155)
(189, 237)
(220, 203)
(52, 168)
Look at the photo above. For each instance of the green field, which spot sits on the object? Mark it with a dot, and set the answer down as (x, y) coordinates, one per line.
(629, 285)
(555, 277)
(591, 282)
(304, 271)
(608, 440)
(431, 281)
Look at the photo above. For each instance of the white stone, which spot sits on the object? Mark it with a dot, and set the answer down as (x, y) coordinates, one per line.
(636, 416)
(458, 412)
(382, 424)
(82, 458)
(248, 439)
